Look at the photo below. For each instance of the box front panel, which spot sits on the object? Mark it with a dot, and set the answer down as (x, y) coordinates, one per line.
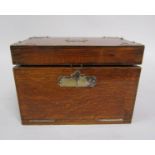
(46, 98)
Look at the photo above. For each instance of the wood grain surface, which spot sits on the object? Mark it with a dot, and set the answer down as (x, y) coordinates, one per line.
(43, 101)
(77, 55)
(61, 51)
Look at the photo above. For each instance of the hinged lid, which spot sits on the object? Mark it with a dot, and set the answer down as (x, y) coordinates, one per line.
(60, 51)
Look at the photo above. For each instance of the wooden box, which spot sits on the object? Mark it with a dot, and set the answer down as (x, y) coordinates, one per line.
(76, 80)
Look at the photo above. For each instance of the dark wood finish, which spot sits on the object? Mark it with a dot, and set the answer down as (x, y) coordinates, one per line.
(49, 51)
(78, 55)
(41, 98)
(43, 60)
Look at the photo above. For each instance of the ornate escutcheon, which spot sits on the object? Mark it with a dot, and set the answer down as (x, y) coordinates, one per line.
(77, 79)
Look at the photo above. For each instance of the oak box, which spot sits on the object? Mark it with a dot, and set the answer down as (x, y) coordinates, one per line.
(76, 80)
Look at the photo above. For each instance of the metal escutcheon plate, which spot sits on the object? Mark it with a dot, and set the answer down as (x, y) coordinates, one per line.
(77, 80)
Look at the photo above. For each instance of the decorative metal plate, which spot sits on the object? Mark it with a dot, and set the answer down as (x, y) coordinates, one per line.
(77, 80)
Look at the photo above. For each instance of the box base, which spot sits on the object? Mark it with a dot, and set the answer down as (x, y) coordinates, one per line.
(74, 122)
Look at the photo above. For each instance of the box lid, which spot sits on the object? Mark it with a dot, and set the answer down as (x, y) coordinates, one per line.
(77, 50)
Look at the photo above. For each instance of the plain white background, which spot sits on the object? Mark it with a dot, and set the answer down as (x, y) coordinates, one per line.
(135, 28)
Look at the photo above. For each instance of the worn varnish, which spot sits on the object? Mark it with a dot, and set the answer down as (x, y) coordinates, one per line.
(50, 51)
(112, 61)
